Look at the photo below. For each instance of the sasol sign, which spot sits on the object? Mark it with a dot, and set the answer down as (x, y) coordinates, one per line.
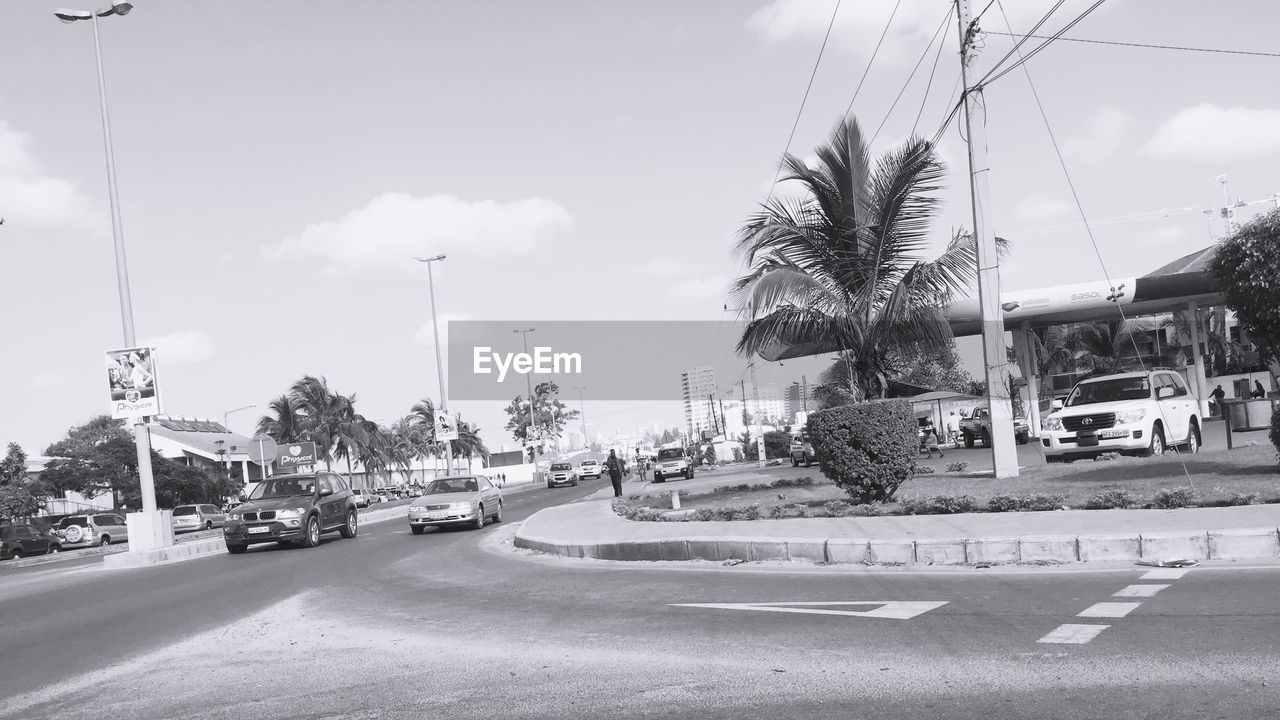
(296, 454)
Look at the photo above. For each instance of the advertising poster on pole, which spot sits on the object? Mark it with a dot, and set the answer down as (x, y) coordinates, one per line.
(446, 427)
(131, 377)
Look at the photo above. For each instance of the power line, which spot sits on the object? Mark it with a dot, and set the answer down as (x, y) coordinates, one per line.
(929, 85)
(1017, 46)
(805, 99)
(1146, 45)
(945, 17)
(1036, 50)
(870, 62)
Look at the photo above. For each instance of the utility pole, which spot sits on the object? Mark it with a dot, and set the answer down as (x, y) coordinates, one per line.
(755, 392)
(1004, 453)
(582, 413)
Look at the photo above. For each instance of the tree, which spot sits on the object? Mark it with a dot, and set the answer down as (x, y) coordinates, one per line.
(936, 368)
(81, 438)
(17, 502)
(549, 414)
(13, 469)
(842, 264)
(709, 455)
(284, 424)
(1106, 346)
(1247, 266)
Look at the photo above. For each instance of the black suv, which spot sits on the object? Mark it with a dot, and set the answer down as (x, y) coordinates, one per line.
(291, 510)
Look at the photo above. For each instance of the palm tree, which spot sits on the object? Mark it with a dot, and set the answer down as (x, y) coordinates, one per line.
(404, 445)
(320, 410)
(423, 413)
(283, 424)
(843, 263)
(1106, 346)
(469, 444)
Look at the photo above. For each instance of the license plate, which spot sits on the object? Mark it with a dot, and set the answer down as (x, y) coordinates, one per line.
(437, 516)
(260, 529)
(1114, 433)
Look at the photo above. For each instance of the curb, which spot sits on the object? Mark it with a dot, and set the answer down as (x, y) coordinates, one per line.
(78, 553)
(1235, 544)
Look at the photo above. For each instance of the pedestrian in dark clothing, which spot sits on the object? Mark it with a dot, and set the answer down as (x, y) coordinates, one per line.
(1218, 396)
(615, 472)
(1258, 390)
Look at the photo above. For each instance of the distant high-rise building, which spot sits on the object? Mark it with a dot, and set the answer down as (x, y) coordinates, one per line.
(697, 388)
(771, 407)
(798, 398)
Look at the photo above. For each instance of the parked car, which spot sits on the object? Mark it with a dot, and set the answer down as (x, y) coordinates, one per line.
(467, 500)
(589, 470)
(672, 462)
(561, 474)
(197, 517)
(291, 510)
(1136, 412)
(977, 428)
(21, 540)
(801, 450)
(76, 531)
(363, 497)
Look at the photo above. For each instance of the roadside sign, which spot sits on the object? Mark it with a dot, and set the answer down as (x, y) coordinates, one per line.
(446, 427)
(296, 454)
(262, 449)
(131, 379)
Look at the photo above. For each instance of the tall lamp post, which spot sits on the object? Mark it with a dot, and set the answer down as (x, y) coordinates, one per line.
(435, 334)
(227, 413)
(154, 534)
(529, 386)
(582, 413)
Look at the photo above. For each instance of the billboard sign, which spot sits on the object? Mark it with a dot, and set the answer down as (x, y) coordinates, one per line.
(131, 377)
(446, 427)
(296, 454)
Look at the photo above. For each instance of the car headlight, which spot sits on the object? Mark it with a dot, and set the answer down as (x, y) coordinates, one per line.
(462, 506)
(290, 513)
(1051, 423)
(233, 516)
(1125, 417)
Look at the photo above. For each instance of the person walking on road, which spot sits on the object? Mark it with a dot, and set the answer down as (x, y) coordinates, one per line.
(614, 466)
(1258, 390)
(1218, 396)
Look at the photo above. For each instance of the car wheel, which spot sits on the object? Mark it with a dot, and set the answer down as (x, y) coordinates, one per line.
(55, 549)
(968, 441)
(1156, 449)
(808, 462)
(349, 528)
(549, 486)
(236, 548)
(416, 529)
(795, 463)
(1193, 438)
(1052, 459)
(105, 541)
(16, 554)
(986, 438)
(657, 478)
(313, 532)
(479, 518)
(497, 517)
(688, 474)
(208, 524)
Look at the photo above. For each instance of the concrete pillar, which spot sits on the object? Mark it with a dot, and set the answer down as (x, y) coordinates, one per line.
(1200, 381)
(1030, 365)
(244, 471)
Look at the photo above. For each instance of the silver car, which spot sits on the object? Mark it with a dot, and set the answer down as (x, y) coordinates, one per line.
(466, 500)
(187, 518)
(85, 530)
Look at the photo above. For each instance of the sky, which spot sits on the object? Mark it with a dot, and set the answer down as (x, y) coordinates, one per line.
(281, 163)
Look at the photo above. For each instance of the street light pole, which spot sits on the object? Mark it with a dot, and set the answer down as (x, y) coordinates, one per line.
(142, 439)
(582, 413)
(529, 386)
(435, 333)
(227, 413)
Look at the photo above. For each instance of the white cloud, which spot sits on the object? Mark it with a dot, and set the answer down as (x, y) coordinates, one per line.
(1038, 207)
(47, 380)
(394, 227)
(424, 337)
(1105, 135)
(34, 198)
(180, 348)
(857, 27)
(1209, 132)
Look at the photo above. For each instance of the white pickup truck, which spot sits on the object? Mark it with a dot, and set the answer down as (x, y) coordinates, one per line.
(672, 462)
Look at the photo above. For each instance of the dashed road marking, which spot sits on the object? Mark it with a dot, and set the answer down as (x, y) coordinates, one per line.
(1140, 591)
(1070, 634)
(1109, 610)
(1165, 574)
(891, 610)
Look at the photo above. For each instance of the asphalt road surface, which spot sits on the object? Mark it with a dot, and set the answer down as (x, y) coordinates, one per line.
(458, 624)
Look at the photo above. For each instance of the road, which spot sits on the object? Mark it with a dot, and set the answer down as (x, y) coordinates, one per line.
(457, 624)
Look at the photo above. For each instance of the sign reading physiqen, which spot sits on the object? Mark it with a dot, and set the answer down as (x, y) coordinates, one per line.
(131, 377)
(296, 454)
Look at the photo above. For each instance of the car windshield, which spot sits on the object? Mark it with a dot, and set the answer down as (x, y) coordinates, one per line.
(588, 462)
(671, 454)
(561, 466)
(68, 522)
(284, 487)
(184, 510)
(1100, 391)
(452, 485)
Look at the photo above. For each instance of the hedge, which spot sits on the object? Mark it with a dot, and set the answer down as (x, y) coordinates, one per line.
(1275, 431)
(867, 449)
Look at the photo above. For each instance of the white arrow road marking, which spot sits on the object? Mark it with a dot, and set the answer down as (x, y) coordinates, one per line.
(888, 610)
(1073, 634)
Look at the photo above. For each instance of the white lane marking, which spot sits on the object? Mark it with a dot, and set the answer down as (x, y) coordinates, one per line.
(1073, 634)
(889, 610)
(1140, 591)
(1165, 574)
(1109, 610)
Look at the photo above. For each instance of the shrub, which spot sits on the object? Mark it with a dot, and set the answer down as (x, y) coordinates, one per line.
(837, 508)
(1109, 499)
(867, 449)
(1175, 498)
(958, 466)
(1275, 431)
(637, 512)
(737, 454)
(1002, 503)
(939, 505)
(1107, 456)
(1243, 499)
(923, 470)
(1034, 502)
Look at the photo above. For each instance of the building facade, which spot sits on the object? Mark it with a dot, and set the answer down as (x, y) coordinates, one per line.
(698, 391)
